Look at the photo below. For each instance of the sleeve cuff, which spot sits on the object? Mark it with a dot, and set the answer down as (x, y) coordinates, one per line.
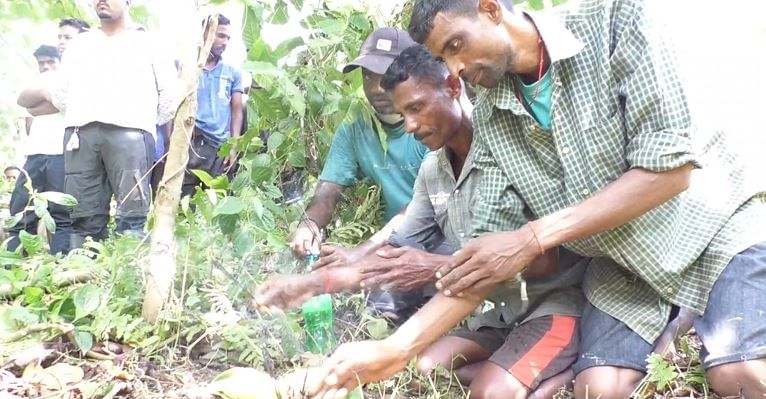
(661, 151)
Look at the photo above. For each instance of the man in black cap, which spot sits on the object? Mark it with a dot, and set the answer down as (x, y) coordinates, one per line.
(356, 150)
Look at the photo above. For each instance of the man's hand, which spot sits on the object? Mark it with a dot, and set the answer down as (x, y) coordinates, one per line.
(306, 238)
(488, 260)
(356, 363)
(402, 268)
(230, 160)
(332, 256)
(284, 292)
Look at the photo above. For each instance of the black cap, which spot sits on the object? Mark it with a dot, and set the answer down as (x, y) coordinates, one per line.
(380, 49)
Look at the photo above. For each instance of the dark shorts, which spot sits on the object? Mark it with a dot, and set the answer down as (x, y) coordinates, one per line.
(532, 352)
(203, 155)
(732, 329)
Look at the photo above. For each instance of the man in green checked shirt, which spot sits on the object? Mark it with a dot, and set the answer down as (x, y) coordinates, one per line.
(585, 123)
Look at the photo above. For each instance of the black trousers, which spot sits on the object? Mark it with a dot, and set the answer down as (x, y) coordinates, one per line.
(47, 174)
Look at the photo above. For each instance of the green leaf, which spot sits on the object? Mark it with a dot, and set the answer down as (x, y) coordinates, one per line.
(50, 224)
(262, 68)
(33, 295)
(13, 220)
(31, 243)
(279, 16)
(359, 21)
(227, 223)
(535, 4)
(203, 176)
(261, 169)
(275, 140)
(86, 299)
(284, 48)
(660, 371)
(84, 340)
(297, 156)
(59, 198)
(377, 328)
(243, 243)
(258, 207)
(229, 206)
(41, 206)
(251, 31)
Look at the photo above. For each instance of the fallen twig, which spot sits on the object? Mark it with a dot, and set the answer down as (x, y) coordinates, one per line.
(64, 328)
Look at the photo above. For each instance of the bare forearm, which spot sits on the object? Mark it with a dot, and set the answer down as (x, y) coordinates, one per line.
(633, 194)
(44, 108)
(322, 206)
(236, 122)
(435, 319)
(382, 235)
(32, 97)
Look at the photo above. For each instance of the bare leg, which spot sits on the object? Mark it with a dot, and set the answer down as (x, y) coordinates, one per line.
(494, 382)
(606, 382)
(550, 387)
(451, 353)
(745, 378)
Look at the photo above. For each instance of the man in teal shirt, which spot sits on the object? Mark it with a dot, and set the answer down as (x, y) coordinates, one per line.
(356, 151)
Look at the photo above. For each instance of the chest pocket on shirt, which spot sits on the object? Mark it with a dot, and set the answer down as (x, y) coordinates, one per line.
(224, 87)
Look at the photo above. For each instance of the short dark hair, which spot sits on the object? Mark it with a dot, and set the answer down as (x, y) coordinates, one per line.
(222, 20)
(11, 168)
(424, 12)
(78, 24)
(414, 62)
(46, 51)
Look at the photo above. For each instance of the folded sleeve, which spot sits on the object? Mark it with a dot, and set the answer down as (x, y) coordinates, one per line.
(657, 117)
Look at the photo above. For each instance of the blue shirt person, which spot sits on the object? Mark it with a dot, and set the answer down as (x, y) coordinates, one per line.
(356, 151)
(219, 112)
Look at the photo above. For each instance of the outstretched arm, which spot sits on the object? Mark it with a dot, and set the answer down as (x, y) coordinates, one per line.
(357, 363)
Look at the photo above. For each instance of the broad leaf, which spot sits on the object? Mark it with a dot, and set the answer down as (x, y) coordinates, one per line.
(229, 206)
(86, 300)
(275, 140)
(31, 243)
(84, 340)
(59, 198)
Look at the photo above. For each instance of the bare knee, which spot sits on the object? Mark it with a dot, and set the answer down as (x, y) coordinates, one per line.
(745, 378)
(606, 383)
(450, 353)
(494, 382)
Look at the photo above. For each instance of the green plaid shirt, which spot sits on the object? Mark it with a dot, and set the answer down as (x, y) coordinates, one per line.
(617, 104)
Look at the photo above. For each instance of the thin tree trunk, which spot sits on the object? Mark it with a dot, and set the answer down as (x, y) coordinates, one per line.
(160, 272)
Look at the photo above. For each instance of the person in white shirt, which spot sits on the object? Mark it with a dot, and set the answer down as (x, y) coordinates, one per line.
(116, 87)
(45, 162)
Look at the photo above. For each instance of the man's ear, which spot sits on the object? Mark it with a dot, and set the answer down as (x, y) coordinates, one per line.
(454, 86)
(492, 9)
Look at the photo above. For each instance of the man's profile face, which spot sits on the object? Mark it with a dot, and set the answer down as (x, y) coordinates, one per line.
(110, 9)
(430, 112)
(377, 97)
(11, 174)
(46, 63)
(66, 33)
(222, 36)
(473, 47)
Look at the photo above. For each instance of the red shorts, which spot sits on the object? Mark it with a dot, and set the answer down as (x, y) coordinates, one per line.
(533, 351)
